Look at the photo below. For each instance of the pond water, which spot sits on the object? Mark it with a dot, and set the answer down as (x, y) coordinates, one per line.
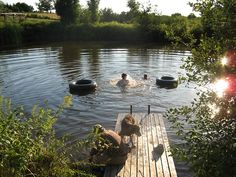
(34, 74)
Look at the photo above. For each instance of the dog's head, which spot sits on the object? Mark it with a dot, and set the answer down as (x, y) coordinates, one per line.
(137, 130)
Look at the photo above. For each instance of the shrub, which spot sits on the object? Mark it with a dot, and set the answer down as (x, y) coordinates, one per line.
(28, 146)
(28, 143)
(207, 125)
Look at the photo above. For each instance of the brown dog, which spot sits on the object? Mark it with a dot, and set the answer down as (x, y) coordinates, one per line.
(115, 153)
(128, 127)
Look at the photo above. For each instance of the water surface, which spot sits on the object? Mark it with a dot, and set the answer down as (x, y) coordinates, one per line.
(34, 74)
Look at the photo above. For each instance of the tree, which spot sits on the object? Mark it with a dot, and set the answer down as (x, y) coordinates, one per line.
(134, 9)
(1, 6)
(191, 16)
(176, 15)
(18, 7)
(22, 7)
(107, 15)
(93, 8)
(67, 10)
(45, 5)
(209, 141)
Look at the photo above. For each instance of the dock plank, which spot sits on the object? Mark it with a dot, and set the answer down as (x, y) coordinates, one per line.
(155, 155)
(167, 149)
(151, 156)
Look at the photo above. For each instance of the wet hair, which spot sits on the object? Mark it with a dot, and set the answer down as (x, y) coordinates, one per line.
(123, 75)
(145, 76)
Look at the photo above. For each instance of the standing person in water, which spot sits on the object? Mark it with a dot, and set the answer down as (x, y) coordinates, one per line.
(123, 82)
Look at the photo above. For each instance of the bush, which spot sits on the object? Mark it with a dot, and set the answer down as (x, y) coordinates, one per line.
(28, 146)
(28, 143)
(209, 140)
(207, 125)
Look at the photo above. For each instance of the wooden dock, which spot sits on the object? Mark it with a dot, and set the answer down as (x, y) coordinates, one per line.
(151, 156)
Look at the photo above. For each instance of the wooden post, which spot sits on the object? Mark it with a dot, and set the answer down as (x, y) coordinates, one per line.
(131, 109)
(149, 109)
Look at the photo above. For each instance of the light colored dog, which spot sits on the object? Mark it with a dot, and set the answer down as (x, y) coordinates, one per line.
(129, 128)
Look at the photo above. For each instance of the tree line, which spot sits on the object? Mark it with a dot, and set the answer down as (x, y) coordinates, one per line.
(72, 12)
(90, 23)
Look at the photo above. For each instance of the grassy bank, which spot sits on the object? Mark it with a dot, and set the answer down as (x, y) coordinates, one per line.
(41, 30)
(38, 28)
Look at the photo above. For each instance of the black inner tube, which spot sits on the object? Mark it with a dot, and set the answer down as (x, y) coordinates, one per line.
(81, 82)
(167, 78)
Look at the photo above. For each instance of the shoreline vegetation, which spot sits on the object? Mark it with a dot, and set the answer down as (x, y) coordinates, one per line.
(46, 27)
(29, 146)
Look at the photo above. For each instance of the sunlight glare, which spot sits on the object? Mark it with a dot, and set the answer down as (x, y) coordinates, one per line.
(224, 61)
(215, 110)
(220, 87)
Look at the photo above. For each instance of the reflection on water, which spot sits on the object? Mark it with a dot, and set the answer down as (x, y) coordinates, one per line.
(32, 75)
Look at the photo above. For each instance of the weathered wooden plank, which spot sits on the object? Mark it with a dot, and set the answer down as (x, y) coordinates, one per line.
(140, 158)
(153, 140)
(164, 160)
(133, 162)
(156, 154)
(134, 151)
(141, 149)
(145, 147)
(167, 149)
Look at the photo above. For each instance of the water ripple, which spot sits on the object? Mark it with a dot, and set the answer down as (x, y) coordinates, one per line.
(32, 75)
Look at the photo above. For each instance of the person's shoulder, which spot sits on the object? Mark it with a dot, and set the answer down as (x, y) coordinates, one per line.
(119, 83)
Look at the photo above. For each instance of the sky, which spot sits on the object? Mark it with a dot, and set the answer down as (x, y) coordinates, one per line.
(164, 7)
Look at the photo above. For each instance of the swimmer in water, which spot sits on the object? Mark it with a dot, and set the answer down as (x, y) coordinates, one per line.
(145, 76)
(123, 82)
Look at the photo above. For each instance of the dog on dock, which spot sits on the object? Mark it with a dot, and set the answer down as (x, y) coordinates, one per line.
(129, 128)
(111, 150)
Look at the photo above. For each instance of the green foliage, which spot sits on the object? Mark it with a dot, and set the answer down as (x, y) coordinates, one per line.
(18, 7)
(1, 6)
(10, 33)
(45, 16)
(207, 126)
(28, 146)
(84, 16)
(88, 169)
(144, 25)
(209, 141)
(112, 31)
(45, 5)
(107, 15)
(191, 16)
(93, 9)
(218, 17)
(28, 143)
(134, 9)
(67, 10)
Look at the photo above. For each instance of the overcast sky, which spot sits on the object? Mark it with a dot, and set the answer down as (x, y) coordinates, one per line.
(165, 7)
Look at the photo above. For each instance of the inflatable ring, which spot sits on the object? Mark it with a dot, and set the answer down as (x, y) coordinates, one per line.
(83, 85)
(167, 82)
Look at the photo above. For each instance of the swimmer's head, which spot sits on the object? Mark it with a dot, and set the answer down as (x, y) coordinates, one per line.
(145, 76)
(124, 76)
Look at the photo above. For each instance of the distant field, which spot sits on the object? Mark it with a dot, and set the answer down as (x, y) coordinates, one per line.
(30, 18)
(51, 16)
